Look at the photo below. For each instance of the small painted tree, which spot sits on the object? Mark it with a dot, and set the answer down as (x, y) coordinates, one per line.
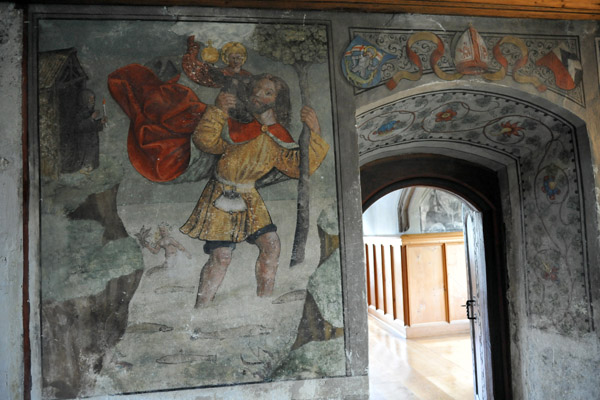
(299, 46)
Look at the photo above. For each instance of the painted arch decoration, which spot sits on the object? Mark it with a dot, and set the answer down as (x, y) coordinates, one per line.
(547, 62)
(543, 147)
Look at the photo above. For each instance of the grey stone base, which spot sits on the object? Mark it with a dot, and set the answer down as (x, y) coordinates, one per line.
(345, 388)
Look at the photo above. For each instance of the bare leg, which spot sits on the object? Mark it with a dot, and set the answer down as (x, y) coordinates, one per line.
(212, 275)
(267, 263)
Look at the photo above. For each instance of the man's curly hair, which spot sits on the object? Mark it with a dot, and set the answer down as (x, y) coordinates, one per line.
(283, 105)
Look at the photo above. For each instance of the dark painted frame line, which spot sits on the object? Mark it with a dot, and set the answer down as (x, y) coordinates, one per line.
(26, 312)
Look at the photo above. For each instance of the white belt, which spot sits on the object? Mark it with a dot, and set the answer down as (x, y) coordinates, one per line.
(239, 187)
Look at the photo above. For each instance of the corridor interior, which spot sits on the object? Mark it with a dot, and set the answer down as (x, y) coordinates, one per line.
(432, 368)
(419, 339)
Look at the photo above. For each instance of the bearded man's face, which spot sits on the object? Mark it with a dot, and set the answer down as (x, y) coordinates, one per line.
(264, 95)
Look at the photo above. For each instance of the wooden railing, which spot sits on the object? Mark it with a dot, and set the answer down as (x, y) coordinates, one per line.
(384, 275)
(417, 283)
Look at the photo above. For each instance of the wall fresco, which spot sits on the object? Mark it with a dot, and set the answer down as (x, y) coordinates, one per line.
(440, 211)
(556, 268)
(189, 227)
(546, 61)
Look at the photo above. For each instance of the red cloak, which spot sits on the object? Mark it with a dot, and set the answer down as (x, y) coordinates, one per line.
(240, 132)
(163, 117)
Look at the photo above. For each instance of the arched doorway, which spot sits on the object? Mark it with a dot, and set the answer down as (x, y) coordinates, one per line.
(480, 187)
(539, 153)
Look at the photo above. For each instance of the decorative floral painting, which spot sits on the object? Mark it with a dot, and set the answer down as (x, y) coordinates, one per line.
(189, 223)
(542, 146)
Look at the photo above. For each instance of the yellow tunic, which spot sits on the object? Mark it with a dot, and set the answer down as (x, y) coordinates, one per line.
(220, 214)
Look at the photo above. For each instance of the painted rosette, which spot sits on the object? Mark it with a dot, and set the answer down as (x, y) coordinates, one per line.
(553, 184)
(509, 130)
(446, 118)
(387, 125)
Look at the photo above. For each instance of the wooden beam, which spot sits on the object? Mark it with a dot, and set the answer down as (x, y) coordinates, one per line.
(384, 280)
(445, 274)
(405, 294)
(376, 277)
(541, 9)
(368, 271)
(393, 269)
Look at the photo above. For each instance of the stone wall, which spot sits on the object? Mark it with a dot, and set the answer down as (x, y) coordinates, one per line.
(549, 254)
(11, 201)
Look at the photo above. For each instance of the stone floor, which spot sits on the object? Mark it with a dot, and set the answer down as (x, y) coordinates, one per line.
(426, 368)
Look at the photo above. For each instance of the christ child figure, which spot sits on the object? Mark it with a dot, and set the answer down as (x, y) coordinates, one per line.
(164, 242)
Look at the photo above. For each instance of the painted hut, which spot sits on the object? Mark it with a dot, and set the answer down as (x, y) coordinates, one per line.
(61, 79)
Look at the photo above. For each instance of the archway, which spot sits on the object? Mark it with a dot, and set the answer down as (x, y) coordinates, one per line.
(540, 155)
(480, 187)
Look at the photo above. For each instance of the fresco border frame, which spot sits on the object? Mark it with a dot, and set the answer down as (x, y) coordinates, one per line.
(355, 384)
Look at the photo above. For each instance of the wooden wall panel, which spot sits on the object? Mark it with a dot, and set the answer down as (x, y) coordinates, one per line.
(457, 280)
(384, 275)
(426, 300)
(418, 282)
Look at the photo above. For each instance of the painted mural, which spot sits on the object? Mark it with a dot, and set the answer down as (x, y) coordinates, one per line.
(440, 211)
(546, 62)
(542, 147)
(189, 229)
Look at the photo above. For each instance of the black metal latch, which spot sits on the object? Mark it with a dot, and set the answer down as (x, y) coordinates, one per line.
(469, 305)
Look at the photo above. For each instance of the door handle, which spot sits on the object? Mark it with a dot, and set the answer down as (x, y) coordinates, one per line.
(469, 305)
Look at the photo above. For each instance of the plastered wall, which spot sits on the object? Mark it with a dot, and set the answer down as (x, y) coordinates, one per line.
(11, 198)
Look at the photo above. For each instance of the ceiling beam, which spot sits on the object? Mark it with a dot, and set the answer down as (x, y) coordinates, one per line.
(543, 9)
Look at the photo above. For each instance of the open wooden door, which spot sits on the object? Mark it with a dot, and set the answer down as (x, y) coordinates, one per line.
(480, 188)
(477, 305)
